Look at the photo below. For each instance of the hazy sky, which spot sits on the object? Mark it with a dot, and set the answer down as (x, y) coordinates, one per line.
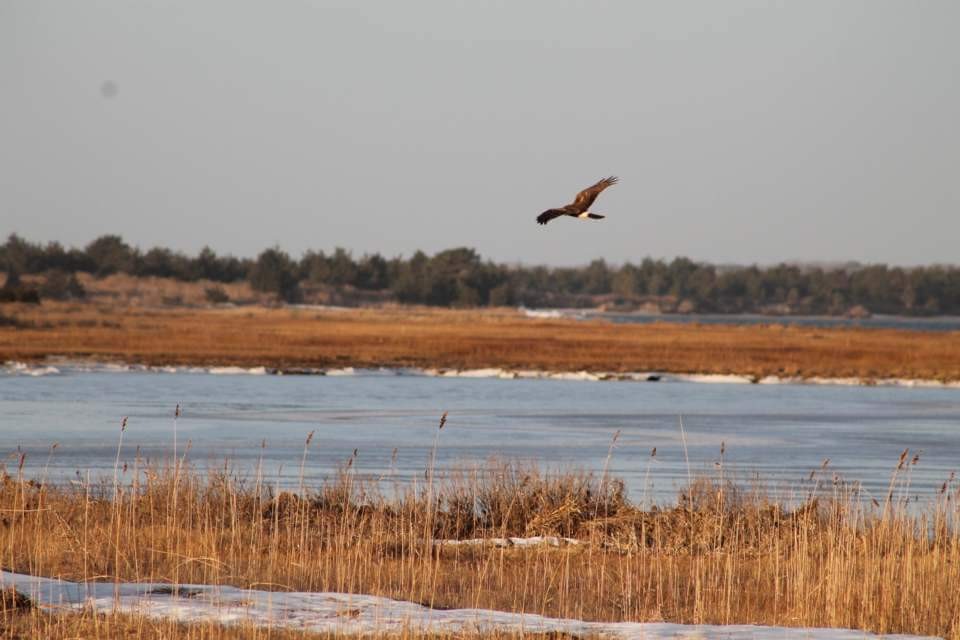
(741, 131)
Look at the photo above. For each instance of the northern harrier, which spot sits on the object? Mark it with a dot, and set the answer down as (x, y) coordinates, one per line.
(578, 209)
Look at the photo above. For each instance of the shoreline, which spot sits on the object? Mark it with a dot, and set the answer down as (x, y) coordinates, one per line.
(293, 340)
(58, 366)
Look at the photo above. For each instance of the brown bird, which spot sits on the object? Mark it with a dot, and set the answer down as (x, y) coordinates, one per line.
(578, 208)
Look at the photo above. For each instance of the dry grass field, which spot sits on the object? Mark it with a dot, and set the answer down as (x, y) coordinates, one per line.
(416, 337)
(719, 555)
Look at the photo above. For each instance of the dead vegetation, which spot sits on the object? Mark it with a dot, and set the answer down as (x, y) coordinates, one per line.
(720, 555)
(417, 337)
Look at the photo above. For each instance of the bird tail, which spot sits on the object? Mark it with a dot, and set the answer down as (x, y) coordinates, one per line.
(595, 216)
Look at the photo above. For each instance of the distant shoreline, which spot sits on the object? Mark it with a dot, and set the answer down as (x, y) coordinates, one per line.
(58, 366)
(875, 321)
(288, 339)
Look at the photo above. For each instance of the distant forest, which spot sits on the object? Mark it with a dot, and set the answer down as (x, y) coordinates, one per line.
(460, 277)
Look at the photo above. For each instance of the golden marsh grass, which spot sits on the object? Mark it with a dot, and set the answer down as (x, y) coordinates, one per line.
(417, 337)
(721, 554)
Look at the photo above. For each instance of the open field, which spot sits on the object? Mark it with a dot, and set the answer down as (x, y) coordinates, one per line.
(416, 337)
(720, 555)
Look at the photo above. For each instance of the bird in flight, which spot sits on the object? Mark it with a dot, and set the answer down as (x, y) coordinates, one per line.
(578, 208)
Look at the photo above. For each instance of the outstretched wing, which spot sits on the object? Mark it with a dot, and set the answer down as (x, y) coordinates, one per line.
(586, 197)
(549, 215)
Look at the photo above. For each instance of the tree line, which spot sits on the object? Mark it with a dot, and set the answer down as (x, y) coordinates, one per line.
(461, 277)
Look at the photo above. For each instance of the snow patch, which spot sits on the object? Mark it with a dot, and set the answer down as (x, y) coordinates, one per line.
(67, 366)
(713, 378)
(105, 367)
(476, 373)
(363, 614)
(319, 307)
(493, 372)
(549, 314)
(533, 541)
(14, 368)
(345, 371)
(237, 371)
(575, 375)
(845, 382)
(166, 369)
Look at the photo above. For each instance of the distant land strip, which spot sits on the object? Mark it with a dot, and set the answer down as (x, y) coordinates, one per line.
(289, 338)
(461, 277)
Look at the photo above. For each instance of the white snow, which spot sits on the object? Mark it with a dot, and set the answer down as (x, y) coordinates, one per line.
(65, 366)
(237, 371)
(363, 614)
(711, 378)
(551, 314)
(849, 382)
(319, 307)
(574, 375)
(345, 371)
(528, 374)
(106, 367)
(476, 373)
(165, 369)
(24, 369)
(532, 541)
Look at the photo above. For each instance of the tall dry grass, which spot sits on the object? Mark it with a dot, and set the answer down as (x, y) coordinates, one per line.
(721, 554)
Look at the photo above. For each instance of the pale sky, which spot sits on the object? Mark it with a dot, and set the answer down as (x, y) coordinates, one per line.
(741, 131)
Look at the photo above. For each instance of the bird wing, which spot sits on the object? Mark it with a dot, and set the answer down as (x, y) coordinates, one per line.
(549, 215)
(586, 197)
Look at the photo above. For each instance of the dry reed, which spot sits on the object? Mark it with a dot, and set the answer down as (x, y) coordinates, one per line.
(722, 554)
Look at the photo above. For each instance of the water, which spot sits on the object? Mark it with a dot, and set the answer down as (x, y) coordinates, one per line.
(777, 432)
(935, 323)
